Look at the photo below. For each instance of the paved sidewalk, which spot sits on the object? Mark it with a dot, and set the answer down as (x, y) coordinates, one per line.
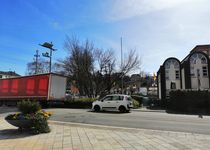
(71, 136)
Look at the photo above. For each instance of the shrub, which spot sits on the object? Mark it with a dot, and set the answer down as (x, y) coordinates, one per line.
(32, 111)
(189, 101)
(79, 103)
(137, 98)
(28, 107)
(40, 124)
(21, 116)
(135, 104)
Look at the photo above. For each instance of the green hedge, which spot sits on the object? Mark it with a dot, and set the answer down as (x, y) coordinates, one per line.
(79, 103)
(189, 101)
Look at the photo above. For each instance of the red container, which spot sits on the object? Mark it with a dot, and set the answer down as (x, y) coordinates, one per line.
(32, 87)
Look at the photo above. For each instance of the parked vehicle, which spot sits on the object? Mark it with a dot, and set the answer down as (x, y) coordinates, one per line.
(41, 87)
(120, 102)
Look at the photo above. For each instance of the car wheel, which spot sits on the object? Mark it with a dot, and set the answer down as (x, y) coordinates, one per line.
(122, 109)
(96, 108)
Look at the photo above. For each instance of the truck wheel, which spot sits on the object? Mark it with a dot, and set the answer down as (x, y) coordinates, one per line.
(96, 108)
(122, 109)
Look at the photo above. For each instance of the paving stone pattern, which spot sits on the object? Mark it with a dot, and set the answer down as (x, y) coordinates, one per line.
(76, 137)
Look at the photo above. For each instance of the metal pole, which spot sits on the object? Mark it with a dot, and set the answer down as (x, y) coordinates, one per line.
(50, 59)
(36, 61)
(49, 46)
(121, 65)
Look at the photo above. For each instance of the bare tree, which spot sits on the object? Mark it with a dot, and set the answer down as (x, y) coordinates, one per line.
(58, 67)
(131, 63)
(80, 63)
(42, 67)
(94, 70)
(105, 60)
(103, 77)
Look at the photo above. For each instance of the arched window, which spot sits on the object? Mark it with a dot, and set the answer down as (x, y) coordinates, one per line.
(172, 67)
(203, 60)
(176, 65)
(198, 62)
(195, 58)
(167, 65)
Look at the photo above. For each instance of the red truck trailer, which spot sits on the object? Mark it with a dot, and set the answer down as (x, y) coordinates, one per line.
(41, 87)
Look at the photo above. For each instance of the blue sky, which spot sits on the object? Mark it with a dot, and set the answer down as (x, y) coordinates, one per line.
(157, 29)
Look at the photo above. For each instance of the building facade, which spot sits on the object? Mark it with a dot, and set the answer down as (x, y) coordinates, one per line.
(8, 74)
(190, 73)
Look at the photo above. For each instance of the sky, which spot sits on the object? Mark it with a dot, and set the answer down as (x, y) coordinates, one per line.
(157, 29)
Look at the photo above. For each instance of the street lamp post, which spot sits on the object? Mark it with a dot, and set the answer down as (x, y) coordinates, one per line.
(50, 47)
(121, 63)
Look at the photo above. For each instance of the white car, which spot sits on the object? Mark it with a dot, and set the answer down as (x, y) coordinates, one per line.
(120, 102)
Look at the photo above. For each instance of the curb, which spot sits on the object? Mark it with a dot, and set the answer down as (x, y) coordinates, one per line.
(146, 110)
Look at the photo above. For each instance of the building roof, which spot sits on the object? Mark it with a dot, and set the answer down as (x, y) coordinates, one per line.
(199, 48)
(10, 73)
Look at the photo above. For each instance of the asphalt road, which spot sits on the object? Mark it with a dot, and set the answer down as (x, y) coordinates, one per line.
(6, 110)
(136, 119)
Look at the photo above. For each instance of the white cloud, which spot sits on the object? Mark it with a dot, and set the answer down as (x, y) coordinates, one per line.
(124, 9)
(162, 28)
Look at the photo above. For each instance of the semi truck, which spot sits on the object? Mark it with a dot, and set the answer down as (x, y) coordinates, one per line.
(44, 88)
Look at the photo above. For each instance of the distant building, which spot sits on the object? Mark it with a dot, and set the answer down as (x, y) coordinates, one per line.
(191, 73)
(135, 77)
(133, 86)
(8, 74)
(74, 90)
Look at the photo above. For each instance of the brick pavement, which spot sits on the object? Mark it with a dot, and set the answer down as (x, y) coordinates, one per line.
(70, 136)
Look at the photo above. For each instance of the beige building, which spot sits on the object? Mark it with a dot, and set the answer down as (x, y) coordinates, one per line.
(191, 73)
